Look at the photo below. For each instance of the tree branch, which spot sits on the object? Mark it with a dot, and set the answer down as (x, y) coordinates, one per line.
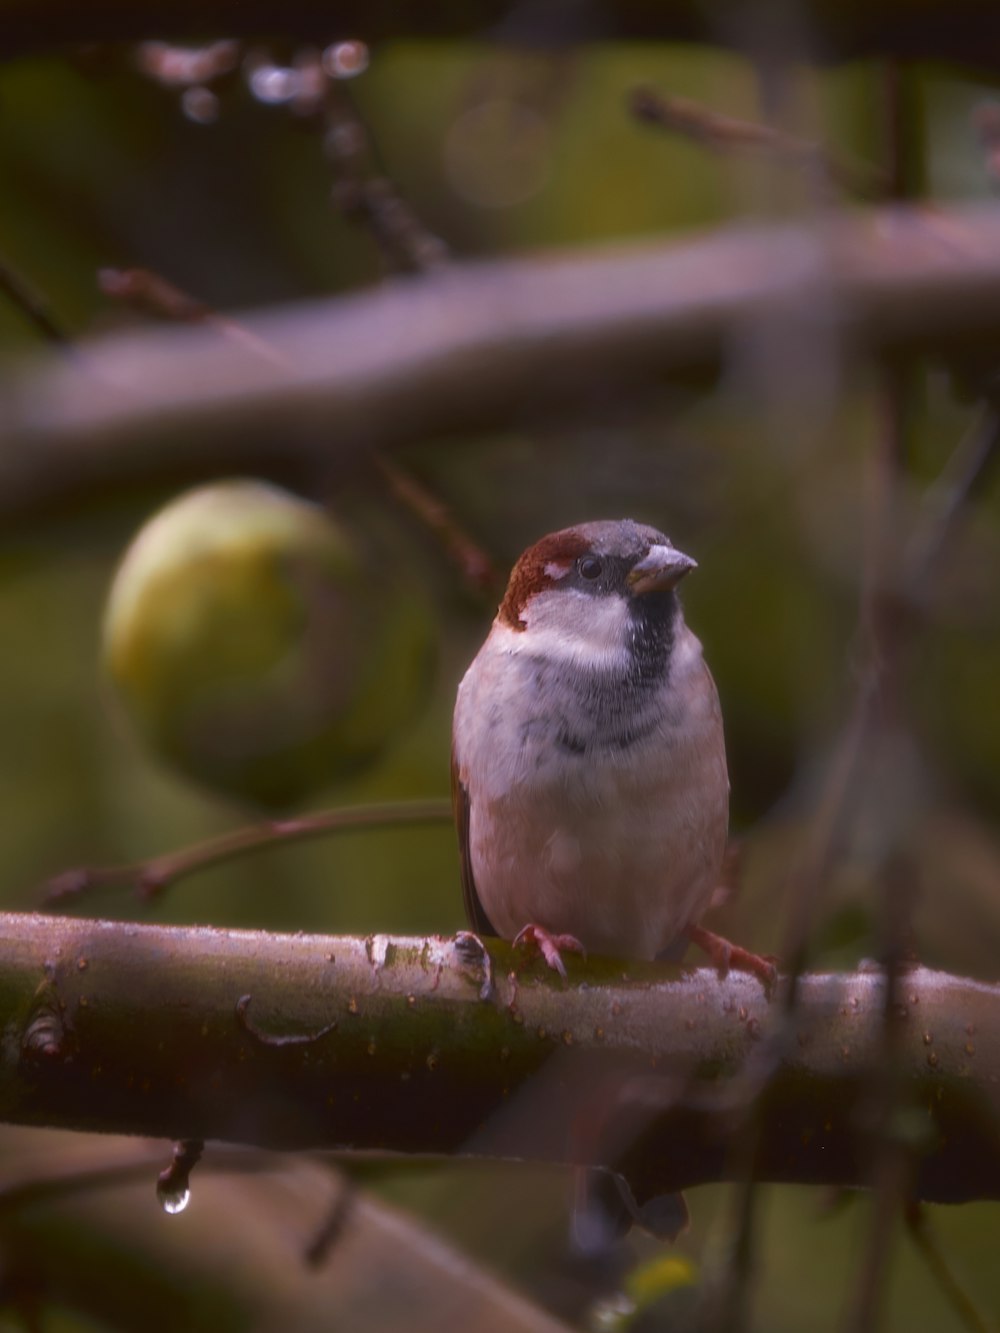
(486, 346)
(384, 1043)
(964, 30)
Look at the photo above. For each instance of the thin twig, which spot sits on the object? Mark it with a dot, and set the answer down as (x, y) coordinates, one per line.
(152, 877)
(830, 822)
(369, 196)
(725, 134)
(34, 309)
(474, 564)
(152, 294)
(333, 1225)
(966, 473)
(892, 1167)
(366, 194)
(986, 124)
(922, 1235)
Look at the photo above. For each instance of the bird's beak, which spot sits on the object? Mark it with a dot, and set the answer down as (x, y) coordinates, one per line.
(660, 570)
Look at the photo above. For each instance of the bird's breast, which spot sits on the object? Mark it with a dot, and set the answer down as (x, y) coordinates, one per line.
(596, 811)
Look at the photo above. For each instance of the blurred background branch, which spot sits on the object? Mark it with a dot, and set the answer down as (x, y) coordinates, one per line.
(483, 346)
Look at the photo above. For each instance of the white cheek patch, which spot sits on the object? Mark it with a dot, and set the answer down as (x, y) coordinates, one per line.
(554, 571)
(567, 624)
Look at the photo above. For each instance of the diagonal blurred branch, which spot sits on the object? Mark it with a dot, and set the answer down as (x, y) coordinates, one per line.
(483, 346)
(732, 137)
(114, 1026)
(23, 297)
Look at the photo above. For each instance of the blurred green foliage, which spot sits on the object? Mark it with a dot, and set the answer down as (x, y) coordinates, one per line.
(500, 152)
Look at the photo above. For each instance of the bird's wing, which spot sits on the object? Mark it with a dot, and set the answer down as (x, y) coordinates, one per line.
(477, 918)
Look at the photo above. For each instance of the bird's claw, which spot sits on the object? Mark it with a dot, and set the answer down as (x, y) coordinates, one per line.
(550, 946)
(726, 956)
(471, 948)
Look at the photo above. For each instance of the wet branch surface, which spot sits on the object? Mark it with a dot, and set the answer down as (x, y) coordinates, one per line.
(486, 346)
(386, 1043)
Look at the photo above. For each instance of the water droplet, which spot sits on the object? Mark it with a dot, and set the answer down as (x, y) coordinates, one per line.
(273, 84)
(173, 1200)
(346, 60)
(200, 105)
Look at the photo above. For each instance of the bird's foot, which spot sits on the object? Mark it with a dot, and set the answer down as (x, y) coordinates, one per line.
(550, 946)
(726, 955)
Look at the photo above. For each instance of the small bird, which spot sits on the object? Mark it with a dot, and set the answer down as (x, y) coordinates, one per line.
(588, 760)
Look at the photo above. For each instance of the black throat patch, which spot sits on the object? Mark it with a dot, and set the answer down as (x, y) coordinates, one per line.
(613, 709)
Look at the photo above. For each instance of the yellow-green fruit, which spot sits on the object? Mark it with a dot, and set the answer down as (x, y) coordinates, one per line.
(255, 650)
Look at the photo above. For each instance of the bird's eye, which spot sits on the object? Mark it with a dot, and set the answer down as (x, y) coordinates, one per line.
(591, 567)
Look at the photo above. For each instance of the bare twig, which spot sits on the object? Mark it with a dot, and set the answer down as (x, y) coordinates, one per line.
(726, 134)
(312, 88)
(865, 729)
(986, 123)
(923, 1237)
(892, 1165)
(475, 565)
(152, 877)
(152, 294)
(32, 307)
(967, 472)
(369, 196)
(334, 1223)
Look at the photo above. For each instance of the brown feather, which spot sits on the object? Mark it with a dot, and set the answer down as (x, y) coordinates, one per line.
(531, 573)
(475, 915)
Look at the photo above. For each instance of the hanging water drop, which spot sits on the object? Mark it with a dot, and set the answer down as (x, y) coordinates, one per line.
(346, 60)
(173, 1185)
(173, 1200)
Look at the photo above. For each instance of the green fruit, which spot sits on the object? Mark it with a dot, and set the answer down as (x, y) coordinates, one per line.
(255, 650)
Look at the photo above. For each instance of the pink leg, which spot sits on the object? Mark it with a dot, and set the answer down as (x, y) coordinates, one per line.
(549, 946)
(725, 955)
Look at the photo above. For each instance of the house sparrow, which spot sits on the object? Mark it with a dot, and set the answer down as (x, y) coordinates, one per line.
(589, 764)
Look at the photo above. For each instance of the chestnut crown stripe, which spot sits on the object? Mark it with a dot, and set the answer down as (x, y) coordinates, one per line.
(533, 572)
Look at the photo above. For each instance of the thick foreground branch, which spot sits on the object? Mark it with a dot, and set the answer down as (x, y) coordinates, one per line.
(397, 1044)
(489, 345)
